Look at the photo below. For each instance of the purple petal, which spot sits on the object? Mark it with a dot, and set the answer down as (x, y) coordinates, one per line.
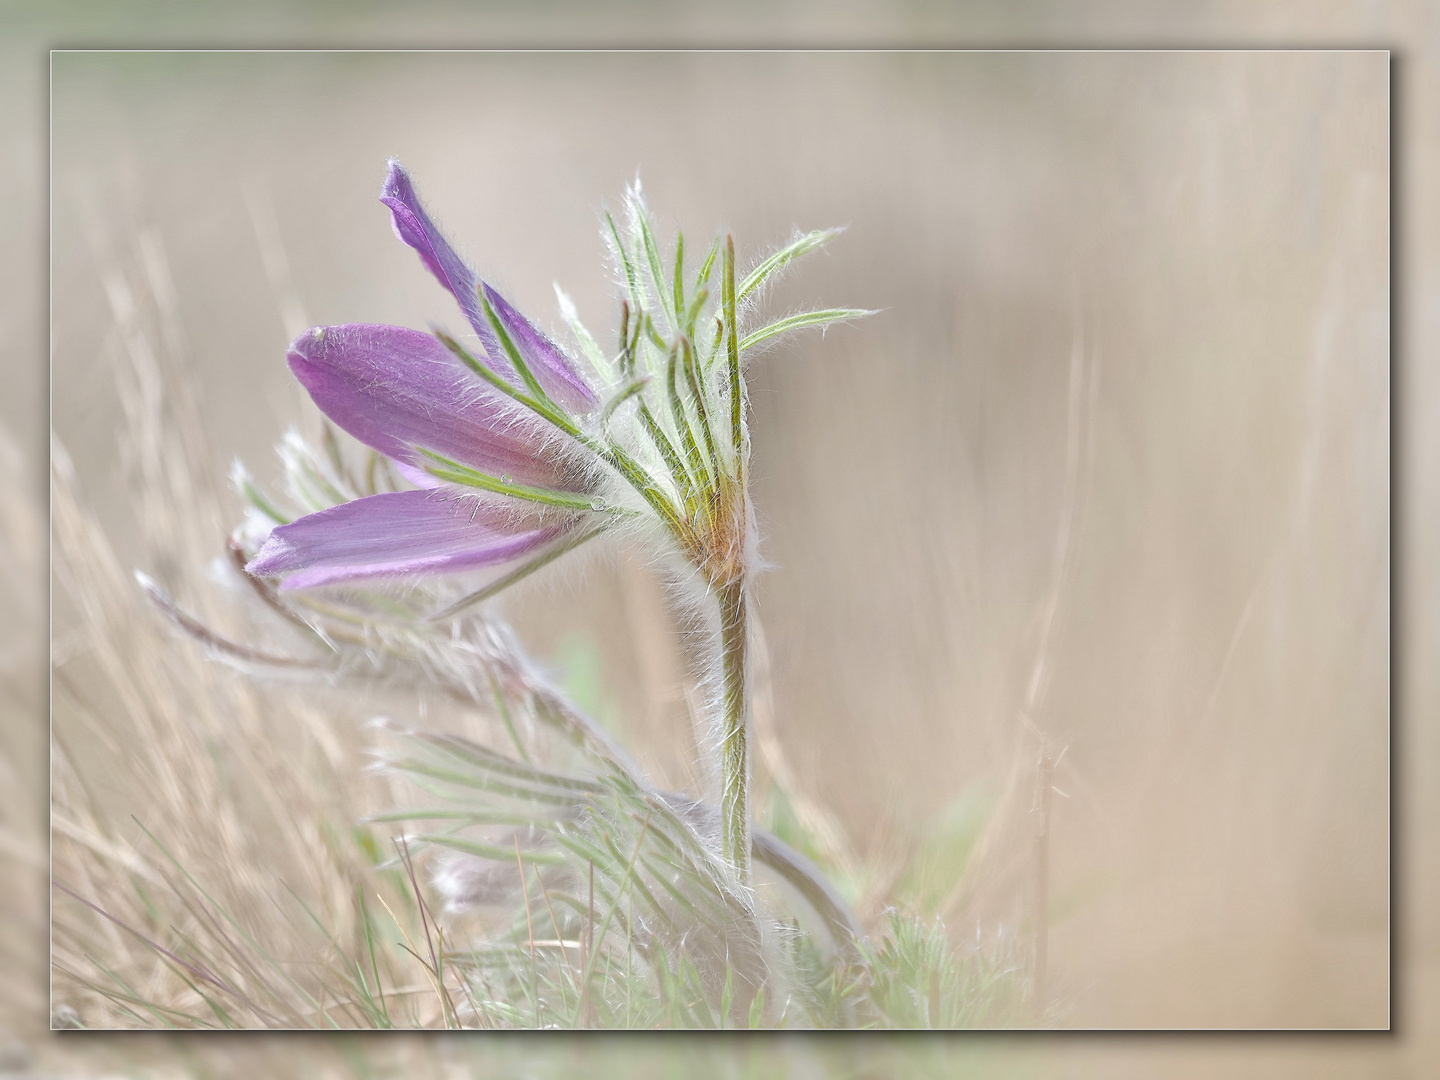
(544, 359)
(417, 476)
(549, 365)
(394, 389)
(414, 227)
(397, 534)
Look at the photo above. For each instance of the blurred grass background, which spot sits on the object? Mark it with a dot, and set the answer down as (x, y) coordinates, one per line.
(1225, 857)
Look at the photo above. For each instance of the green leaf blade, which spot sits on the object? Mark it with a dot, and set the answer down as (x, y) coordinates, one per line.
(796, 322)
(779, 260)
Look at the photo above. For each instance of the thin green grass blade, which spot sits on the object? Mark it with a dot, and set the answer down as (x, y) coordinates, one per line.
(482, 782)
(673, 462)
(693, 313)
(512, 352)
(706, 265)
(524, 570)
(481, 757)
(653, 336)
(708, 363)
(698, 465)
(737, 436)
(652, 256)
(477, 816)
(609, 915)
(757, 1010)
(539, 404)
(130, 996)
(684, 901)
(805, 318)
(588, 345)
(632, 388)
(447, 469)
(777, 261)
(245, 935)
(727, 996)
(678, 299)
(702, 410)
(586, 851)
(501, 705)
(365, 923)
(489, 851)
(690, 986)
(624, 258)
(257, 499)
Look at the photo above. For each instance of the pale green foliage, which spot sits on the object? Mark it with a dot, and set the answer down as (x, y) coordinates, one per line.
(671, 338)
(917, 979)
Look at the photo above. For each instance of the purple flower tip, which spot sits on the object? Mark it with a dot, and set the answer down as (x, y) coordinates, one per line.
(548, 364)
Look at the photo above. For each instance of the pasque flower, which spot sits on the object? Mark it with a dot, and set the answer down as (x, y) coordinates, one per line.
(520, 450)
(476, 453)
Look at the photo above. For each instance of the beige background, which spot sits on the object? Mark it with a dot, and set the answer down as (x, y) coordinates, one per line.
(1133, 347)
(1401, 23)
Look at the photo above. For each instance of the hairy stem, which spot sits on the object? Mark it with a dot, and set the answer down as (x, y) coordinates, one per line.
(734, 746)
